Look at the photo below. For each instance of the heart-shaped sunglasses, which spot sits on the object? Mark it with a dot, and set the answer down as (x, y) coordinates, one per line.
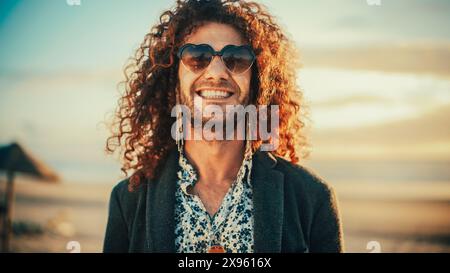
(196, 58)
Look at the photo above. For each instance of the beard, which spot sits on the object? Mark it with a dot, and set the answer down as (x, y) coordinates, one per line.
(200, 119)
(197, 105)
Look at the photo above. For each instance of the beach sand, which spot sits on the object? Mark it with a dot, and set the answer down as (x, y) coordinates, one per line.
(399, 217)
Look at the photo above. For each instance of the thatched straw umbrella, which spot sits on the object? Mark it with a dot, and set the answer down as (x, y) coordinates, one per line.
(13, 159)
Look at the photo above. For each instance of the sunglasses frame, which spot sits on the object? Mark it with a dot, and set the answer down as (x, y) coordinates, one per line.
(216, 53)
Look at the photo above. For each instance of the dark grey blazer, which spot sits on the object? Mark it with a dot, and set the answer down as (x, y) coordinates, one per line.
(294, 211)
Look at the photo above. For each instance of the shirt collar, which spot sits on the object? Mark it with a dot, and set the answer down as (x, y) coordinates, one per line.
(188, 175)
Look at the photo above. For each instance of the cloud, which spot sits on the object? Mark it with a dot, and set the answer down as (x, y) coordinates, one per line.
(350, 100)
(424, 58)
(425, 136)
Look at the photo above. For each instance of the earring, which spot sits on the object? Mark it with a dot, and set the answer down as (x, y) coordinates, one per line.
(248, 143)
(180, 135)
(248, 156)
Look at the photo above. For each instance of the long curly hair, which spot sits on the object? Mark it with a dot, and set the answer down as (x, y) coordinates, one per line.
(142, 123)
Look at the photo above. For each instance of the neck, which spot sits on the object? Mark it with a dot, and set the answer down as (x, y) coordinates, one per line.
(217, 162)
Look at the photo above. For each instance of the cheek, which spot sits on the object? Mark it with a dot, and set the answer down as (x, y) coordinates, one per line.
(244, 83)
(185, 79)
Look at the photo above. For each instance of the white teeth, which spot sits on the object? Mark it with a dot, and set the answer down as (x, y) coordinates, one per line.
(214, 94)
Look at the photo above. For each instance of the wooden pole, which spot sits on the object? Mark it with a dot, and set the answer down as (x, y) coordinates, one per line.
(7, 224)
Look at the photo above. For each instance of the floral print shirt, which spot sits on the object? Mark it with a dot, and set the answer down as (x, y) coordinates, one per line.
(232, 225)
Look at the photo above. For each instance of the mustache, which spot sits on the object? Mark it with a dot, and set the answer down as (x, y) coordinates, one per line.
(216, 84)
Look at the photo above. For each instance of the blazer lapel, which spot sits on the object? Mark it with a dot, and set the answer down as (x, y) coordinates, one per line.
(161, 208)
(267, 203)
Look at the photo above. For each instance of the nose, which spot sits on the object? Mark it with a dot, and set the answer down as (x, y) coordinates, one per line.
(216, 69)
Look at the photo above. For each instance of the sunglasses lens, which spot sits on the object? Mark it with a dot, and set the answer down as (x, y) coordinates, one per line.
(196, 57)
(238, 59)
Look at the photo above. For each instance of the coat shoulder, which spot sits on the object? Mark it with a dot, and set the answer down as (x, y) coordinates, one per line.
(304, 181)
(127, 198)
(122, 188)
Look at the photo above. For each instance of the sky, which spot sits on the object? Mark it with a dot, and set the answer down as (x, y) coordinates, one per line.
(52, 35)
(376, 77)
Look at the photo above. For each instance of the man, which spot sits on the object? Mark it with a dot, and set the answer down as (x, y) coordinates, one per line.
(216, 195)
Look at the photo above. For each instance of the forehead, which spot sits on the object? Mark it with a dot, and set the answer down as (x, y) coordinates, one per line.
(215, 34)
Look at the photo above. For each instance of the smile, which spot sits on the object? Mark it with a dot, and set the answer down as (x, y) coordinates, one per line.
(214, 94)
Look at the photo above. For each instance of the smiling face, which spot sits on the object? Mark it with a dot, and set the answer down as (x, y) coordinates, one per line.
(215, 85)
